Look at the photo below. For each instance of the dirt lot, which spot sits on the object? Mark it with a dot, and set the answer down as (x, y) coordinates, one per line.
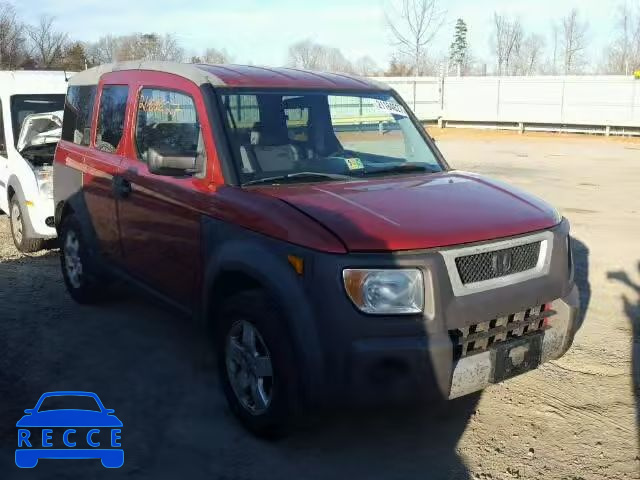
(575, 418)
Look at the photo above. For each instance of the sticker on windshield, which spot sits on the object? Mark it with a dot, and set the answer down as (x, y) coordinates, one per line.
(390, 107)
(354, 163)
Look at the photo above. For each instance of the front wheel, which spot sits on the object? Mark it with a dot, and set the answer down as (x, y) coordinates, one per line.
(21, 240)
(83, 279)
(256, 364)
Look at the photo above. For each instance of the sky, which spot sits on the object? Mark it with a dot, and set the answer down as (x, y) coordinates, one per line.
(259, 32)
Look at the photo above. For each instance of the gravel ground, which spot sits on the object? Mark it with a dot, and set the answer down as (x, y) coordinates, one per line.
(575, 418)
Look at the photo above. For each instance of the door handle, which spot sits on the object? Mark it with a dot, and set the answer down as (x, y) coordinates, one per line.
(121, 187)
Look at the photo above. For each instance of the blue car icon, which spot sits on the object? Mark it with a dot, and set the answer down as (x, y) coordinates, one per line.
(89, 413)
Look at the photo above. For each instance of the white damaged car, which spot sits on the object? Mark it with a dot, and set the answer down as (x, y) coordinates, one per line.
(31, 106)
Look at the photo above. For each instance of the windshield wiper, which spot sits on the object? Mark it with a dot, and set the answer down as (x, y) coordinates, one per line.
(300, 175)
(403, 168)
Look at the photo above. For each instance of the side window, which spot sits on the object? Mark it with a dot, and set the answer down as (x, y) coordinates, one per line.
(113, 106)
(3, 143)
(168, 133)
(78, 111)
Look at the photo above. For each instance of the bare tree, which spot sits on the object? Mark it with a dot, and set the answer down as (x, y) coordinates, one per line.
(75, 57)
(12, 39)
(414, 25)
(506, 42)
(398, 68)
(306, 54)
(366, 66)
(314, 56)
(623, 54)
(529, 55)
(46, 42)
(335, 61)
(574, 42)
(555, 43)
(149, 46)
(213, 55)
(105, 50)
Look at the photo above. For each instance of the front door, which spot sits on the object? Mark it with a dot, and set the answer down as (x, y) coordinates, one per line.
(101, 164)
(157, 207)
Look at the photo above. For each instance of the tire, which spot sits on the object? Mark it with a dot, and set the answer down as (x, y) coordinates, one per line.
(274, 413)
(23, 243)
(84, 280)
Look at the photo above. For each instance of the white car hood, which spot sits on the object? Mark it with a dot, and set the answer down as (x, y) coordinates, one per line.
(40, 129)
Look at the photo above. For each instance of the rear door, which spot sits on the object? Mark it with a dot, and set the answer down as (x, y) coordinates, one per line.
(74, 145)
(159, 214)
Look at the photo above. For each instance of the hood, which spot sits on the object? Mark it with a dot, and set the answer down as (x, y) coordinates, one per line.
(419, 212)
(40, 129)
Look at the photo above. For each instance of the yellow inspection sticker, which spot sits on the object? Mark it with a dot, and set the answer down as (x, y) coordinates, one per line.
(354, 163)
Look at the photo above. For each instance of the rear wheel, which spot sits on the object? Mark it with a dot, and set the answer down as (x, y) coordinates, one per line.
(256, 364)
(21, 240)
(83, 279)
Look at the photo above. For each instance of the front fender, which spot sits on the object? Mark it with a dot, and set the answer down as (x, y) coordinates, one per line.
(264, 260)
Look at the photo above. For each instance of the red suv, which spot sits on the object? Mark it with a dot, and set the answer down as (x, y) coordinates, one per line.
(312, 226)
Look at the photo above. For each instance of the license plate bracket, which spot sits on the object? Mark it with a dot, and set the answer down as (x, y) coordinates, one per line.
(516, 356)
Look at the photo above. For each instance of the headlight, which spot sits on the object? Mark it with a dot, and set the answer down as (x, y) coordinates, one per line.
(385, 292)
(45, 183)
(46, 189)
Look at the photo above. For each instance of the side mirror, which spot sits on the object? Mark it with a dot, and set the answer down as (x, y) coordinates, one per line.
(29, 411)
(173, 164)
(109, 411)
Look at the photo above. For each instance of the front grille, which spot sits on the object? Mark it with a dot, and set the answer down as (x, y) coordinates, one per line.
(479, 337)
(498, 263)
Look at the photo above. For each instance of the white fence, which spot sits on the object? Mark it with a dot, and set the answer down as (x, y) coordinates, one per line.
(606, 103)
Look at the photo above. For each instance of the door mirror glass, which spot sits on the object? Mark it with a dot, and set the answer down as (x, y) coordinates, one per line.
(163, 160)
(168, 133)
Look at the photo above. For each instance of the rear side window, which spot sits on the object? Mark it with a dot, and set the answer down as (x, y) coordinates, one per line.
(113, 106)
(168, 127)
(78, 110)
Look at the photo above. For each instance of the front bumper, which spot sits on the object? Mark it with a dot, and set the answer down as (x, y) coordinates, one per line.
(382, 358)
(476, 372)
(41, 214)
(397, 369)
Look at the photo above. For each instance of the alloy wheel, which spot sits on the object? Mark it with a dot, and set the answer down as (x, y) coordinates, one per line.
(16, 223)
(249, 367)
(72, 261)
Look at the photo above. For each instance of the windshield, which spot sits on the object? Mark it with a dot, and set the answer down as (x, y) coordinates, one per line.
(322, 136)
(69, 402)
(24, 105)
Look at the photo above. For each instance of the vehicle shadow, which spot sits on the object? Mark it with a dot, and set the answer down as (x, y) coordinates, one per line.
(632, 310)
(580, 253)
(145, 362)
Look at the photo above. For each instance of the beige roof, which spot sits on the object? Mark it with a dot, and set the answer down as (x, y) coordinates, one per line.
(191, 72)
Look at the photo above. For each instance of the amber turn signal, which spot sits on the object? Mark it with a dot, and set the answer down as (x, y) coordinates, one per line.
(297, 263)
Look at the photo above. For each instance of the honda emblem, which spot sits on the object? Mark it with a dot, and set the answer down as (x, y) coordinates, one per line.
(501, 263)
